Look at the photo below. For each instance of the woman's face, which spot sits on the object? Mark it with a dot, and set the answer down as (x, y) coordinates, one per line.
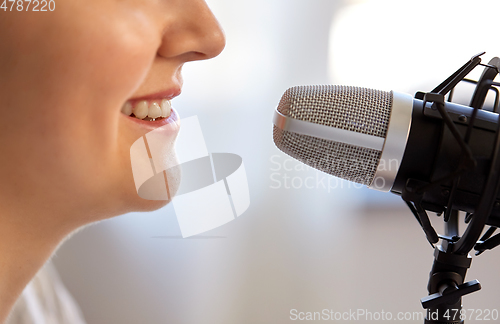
(65, 77)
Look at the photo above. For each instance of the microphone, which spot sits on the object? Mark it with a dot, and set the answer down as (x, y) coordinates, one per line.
(390, 141)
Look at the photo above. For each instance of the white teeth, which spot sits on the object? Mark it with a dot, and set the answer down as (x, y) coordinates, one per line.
(127, 108)
(141, 109)
(146, 111)
(154, 110)
(166, 108)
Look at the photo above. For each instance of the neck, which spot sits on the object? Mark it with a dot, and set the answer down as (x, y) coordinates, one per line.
(27, 240)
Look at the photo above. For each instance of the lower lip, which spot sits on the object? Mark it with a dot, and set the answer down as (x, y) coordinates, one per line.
(173, 118)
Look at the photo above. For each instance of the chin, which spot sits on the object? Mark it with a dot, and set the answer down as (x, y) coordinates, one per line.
(150, 205)
(155, 193)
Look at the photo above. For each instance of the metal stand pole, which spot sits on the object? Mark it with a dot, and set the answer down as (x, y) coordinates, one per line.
(446, 280)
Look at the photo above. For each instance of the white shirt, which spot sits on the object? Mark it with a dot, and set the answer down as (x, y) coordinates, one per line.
(45, 300)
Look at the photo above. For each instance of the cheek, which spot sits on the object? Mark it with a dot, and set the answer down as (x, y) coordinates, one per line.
(102, 66)
(115, 64)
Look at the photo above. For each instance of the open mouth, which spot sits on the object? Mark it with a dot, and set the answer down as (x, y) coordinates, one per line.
(148, 110)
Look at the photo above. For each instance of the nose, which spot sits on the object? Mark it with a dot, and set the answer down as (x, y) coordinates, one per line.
(192, 33)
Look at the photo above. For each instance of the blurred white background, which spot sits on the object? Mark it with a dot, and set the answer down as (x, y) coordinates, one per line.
(301, 248)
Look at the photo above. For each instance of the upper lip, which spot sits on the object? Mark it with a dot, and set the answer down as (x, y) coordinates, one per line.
(165, 94)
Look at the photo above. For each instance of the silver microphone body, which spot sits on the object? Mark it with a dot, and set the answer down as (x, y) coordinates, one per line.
(353, 133)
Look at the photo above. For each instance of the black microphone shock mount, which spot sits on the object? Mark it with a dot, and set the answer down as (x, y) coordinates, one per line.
(451, 259)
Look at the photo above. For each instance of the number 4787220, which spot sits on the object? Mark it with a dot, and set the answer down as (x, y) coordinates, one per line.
(28, 5)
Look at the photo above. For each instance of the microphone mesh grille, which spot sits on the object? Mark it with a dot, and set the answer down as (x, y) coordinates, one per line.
(355, 109)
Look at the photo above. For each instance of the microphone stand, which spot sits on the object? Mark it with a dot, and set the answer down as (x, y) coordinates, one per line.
(447, 284)
(446, 280)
